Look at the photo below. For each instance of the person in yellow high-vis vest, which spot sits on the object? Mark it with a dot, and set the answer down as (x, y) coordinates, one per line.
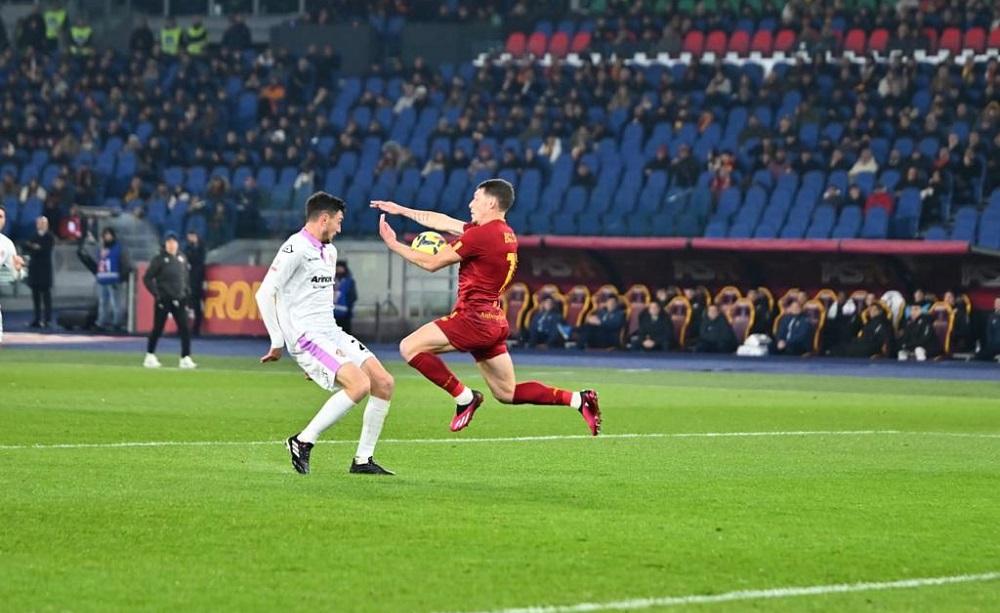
(195, 37)
(81, 38)
(55, 26)
(170, 38)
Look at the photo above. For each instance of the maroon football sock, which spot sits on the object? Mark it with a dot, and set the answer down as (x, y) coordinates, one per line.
(437, 372)
(533, 392)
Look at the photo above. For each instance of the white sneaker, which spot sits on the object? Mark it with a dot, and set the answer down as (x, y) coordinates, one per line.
(151, 361)
(187, 362)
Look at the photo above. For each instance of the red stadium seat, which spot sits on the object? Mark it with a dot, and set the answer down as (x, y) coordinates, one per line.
(932, 39)
(716, 42)
(762, 42)
(694, 42)
(855, 41)
(581, 40)
(879, 40)
(951, 40)
(975, 39)
(537, 44)
(559, 44)
(739, 42)
(516, 43)
(994, 42)
(785, 41)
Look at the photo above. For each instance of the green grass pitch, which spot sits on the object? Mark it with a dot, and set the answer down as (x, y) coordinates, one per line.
(885, 480)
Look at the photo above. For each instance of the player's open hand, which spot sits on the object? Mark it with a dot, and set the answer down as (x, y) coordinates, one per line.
(271, 356)
(385, 230)
(18, 262)
(387, 206)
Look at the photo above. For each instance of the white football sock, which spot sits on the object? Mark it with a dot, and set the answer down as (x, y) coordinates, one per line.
(333, 409)
(576, 401)
(464, 396)
(371, 428)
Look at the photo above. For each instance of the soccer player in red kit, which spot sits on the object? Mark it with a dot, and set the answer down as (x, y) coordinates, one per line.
(486, 249)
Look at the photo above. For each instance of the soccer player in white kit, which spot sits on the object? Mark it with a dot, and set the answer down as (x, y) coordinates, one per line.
(8, 258)
(295, 301)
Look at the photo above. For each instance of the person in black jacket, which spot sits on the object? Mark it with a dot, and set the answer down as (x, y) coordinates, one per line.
(918, 339)
(602, 328)
(195, 252)
(715, 334)
(39, 247)
(168, 280)
(990, 349)
(875, 337)
(656, 331)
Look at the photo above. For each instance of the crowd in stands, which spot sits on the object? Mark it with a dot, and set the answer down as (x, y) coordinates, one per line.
(228, 141)
(828, 323)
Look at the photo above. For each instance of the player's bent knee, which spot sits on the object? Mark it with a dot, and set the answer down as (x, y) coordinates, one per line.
(382, 385)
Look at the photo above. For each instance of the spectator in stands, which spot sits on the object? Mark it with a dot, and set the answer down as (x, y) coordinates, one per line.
(911, 180)
(990, 348)
(194, 249)
(584, 177)
(966, 176)
(170, 37)
(833, 197)
(110, 271)
(347, 295)
(4, 41)
(248, 206)
(685, 169)
(917, 339)
(865, 163)
(483, 162)
(544, 327)
(837, 161)
(655, 332)
(603, 327)
(39, 247)
(141, 41)
(715, 335)
(855, 197)
(875, 337)
(237, 35)
(932, 198)
(550, 149)
(881, 198)
(33, 190)
(31, 33)
(660, 161)
(795, 332)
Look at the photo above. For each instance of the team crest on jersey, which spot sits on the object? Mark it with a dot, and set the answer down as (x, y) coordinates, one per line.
(287, 248)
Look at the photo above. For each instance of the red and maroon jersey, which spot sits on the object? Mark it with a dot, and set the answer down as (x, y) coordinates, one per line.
(489, 259)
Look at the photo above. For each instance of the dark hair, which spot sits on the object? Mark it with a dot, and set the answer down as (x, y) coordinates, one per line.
(322, 202)
(502, 190)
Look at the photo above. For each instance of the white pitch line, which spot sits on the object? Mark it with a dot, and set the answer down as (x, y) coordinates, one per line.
(773, 593)
(508, 439)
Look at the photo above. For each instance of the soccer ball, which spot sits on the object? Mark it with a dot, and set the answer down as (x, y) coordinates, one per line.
(428, 242)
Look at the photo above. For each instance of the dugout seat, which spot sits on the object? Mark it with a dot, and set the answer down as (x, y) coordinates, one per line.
(943, 322)
(727, 296)
(815, 310)
(679, 309)
(740, 315)
(515, 303)
(577, 303)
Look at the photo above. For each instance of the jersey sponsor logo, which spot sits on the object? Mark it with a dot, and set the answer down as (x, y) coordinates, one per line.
(287, 248)
(321, 279)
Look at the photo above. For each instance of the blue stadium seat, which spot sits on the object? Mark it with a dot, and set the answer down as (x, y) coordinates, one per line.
(266, 178)
(849, 223)
(876, 224)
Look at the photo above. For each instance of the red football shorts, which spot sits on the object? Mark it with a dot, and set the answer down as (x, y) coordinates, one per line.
(482, 334)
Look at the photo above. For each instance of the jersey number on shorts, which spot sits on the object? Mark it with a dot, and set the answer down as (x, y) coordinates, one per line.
(512, 260)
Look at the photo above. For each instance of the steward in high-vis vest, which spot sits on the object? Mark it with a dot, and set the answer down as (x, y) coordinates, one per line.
(196, 38)
(81, 38)
(55, 25)
(170, 38)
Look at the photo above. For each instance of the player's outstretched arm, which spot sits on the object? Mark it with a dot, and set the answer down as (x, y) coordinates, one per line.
(281, 270)
(446, 256)
(429, 219)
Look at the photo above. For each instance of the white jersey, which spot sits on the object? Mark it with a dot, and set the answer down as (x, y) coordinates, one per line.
(7, 253)
(297, 294)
